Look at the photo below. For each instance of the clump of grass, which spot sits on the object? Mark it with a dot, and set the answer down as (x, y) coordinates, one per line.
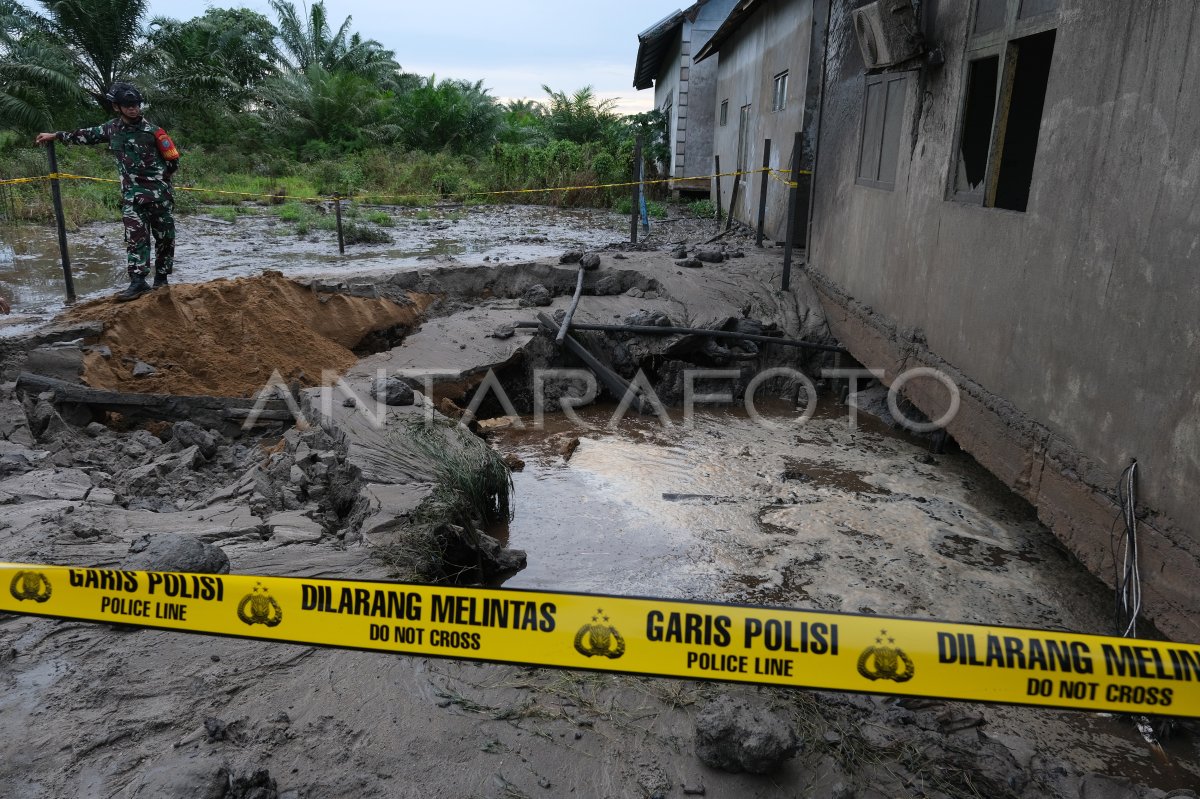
(381, 218)
(226, 213)
(624, 206)
(702, 209)
(359, 233)
(423, 215)
(472, 489)
(292, 212)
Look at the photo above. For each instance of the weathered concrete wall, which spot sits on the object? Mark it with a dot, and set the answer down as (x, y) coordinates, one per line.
(667, 88)
(1072, 326)
(775, 38)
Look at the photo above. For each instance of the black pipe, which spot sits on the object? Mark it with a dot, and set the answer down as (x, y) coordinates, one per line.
(566, 322)
(695, 331)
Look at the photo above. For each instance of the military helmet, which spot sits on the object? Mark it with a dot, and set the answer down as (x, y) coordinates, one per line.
(124, 94)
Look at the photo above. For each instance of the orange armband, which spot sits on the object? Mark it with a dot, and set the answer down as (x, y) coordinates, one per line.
(166, 146)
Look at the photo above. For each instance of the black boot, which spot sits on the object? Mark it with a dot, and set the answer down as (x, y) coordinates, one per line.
(137, 287)
(160, 280)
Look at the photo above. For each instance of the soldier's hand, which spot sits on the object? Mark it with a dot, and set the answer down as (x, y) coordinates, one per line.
(43, 138)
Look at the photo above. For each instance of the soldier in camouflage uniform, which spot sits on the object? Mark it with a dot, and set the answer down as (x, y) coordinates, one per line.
(146, 159)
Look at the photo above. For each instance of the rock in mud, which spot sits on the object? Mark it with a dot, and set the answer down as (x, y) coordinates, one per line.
(610, 286)
(187, 434)
(64, 484)
(464, 553)
(590, 262)
(257, 785)
(170, 552)
(690, 263)
(644, 318)
(504, 332)
(710, 255)
(679, 253)
(744, 733)
(570, 257)
(143, 369)
(393, 391)
(513, 462)
(536, 296)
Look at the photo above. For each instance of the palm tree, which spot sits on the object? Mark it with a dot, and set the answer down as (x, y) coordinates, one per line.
(103, 37)
(580, 117)
(35, 75)
(309, 41)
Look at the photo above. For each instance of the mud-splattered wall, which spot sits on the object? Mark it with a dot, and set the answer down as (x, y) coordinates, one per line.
(1073, 324)
(762, 41)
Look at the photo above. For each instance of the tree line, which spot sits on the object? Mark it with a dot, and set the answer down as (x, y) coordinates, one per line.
(300, 86)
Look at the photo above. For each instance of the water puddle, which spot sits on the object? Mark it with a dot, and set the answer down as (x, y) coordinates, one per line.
(818, 515)
(207, 248)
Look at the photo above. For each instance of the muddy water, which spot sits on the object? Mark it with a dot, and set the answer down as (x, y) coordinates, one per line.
(31, 272)
(816, 516)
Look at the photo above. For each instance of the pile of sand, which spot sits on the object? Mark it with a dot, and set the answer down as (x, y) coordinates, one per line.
(225, 338)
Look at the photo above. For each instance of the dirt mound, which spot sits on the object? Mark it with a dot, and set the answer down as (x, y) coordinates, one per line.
(226, 337)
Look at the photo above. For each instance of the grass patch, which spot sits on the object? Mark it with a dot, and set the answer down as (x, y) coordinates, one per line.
(226, 213)
(381, 218)
(472, 489)
(702, 209)
(360, 233)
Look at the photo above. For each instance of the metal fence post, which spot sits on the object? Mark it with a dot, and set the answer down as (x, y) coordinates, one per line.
(635, 192)
(60, 221)
(337, 209)
(791, 215)
(762, 192)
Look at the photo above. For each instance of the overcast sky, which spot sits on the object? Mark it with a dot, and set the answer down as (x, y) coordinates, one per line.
(513, 47)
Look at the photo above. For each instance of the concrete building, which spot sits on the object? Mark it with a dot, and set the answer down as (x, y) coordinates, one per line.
(1025, 217)
(762, 54)
(683, 91)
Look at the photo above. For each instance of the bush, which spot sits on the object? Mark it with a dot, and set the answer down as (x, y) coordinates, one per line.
(703, 209)
(359, 233)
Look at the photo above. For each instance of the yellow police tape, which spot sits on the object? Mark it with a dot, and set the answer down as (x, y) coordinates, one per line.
(774, 173)
(655, 637)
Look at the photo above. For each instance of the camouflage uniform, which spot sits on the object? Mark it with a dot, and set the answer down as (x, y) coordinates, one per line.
(146, 158)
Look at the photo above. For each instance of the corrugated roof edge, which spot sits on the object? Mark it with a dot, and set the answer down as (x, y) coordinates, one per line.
(740, 13)
(651, 49)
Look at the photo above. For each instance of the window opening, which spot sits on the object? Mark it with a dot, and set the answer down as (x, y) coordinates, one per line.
(743, 139)
(724, 112)
(978, 114)
(779, 99)
(1022, 120)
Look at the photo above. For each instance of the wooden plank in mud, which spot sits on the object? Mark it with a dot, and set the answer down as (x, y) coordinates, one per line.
(163, 407)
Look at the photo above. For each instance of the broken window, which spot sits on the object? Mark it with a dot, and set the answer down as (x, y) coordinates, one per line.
(724, 112)
(1004, 95)
(978, 114)
(883, 113)
(779, 95)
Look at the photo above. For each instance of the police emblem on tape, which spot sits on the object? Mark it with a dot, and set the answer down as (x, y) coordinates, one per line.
(259, 607)
(30, 585)
(599, 639)
(885, 662)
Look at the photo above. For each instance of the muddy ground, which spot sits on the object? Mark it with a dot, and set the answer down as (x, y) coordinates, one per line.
(826, 516)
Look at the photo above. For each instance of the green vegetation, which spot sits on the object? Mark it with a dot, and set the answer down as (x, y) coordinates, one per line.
(294, 106)
(702, 209)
